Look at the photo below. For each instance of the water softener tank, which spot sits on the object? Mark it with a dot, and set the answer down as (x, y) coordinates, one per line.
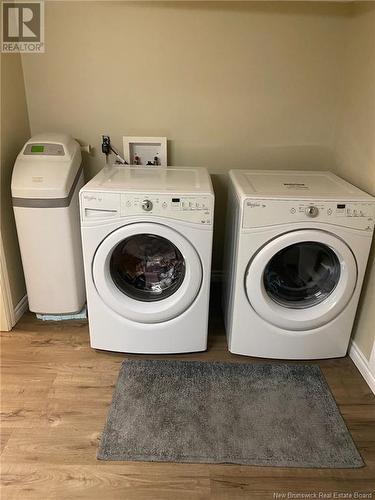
(46, 180)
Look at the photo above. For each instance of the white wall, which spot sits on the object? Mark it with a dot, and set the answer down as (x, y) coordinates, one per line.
(229, 84)
(15, 131)
(355, 140)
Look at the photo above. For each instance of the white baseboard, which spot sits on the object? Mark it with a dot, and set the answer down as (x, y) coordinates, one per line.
(363, 365)
(20, 308)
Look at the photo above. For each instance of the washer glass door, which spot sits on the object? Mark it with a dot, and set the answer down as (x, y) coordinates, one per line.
(301, 280)
(147, 267)
(147, 272)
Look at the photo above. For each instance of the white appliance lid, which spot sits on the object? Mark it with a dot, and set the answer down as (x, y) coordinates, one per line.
(295, 184)
(47, 167)
(151, 179)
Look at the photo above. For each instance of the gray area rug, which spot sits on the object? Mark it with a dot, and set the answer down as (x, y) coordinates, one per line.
(260, 414)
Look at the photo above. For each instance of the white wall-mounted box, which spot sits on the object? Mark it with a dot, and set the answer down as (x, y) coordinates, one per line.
(150, 151)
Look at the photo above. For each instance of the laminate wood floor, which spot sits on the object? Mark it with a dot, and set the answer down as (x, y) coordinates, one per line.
(55, 394)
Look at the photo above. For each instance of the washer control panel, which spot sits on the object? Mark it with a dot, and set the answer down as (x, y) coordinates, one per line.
(99, 206)
(354, 214)
(190, 208)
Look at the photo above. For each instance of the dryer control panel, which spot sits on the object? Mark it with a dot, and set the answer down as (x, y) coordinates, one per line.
(352, 214)
(100, 206)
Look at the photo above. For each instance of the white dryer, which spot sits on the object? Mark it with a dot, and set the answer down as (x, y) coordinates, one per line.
(147, 243)
(298, 244)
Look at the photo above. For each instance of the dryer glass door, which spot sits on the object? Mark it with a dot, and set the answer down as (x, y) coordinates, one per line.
(301, 280)
(147, 272)
(302, 275)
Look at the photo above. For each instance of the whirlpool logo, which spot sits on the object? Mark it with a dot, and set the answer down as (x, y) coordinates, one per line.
(255, 204)
(22, 27)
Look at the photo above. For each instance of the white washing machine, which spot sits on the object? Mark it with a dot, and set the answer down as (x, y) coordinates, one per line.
(147, 243)
(298, 244)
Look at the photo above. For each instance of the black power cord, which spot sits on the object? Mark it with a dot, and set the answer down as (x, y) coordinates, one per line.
(107, 149)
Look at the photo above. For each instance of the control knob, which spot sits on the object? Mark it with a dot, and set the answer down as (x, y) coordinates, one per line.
(147, 205)
(312, 211)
